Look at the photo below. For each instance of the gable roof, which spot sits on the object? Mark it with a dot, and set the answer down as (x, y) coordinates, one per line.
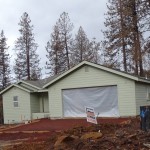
(120, 73)
(41, 84)
(15, 85)
(38, 84)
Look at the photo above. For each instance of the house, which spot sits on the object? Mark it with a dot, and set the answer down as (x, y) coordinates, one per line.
(110, 92)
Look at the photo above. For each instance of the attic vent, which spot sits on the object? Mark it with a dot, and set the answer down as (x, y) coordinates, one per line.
(86, 69)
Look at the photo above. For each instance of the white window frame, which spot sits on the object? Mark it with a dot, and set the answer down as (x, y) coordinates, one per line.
(15, 101)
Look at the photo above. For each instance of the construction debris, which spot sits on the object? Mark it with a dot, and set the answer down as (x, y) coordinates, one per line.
(122, 136)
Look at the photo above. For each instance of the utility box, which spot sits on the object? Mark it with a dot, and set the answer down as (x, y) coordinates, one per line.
(145, 118)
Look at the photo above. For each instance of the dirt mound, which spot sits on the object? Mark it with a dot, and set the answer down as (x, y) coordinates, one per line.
(111, 137)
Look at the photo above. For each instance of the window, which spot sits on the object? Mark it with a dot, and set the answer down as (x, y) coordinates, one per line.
(15, 101)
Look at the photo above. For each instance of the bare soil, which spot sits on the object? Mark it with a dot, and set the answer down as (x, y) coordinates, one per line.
(117, 134)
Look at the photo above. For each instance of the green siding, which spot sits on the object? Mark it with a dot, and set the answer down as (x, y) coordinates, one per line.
(44, 99)
(35, 103)
(16, 114)
(92, 77)
(141, 96)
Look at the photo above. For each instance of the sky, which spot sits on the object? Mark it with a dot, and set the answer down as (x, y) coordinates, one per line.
(44, 13)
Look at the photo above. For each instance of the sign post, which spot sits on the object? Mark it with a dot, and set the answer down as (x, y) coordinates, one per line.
(90, 115)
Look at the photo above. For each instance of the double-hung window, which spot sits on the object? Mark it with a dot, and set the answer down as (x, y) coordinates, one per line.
(15, 101)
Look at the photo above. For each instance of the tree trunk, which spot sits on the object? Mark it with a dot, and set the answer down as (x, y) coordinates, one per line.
(28, 59)
(137, 45)
(122, 38)
(67, 54)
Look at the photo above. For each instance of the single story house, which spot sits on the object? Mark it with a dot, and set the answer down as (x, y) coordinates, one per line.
(110, 92)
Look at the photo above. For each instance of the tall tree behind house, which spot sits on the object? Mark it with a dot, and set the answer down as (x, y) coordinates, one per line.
(65, 28)
(4, 62)
(117, 53)
(27, 61)
(84, 49)
(80, 47)
(124, 35)
(59, 46)
(95, 52)
(146, 50)
(55, 53)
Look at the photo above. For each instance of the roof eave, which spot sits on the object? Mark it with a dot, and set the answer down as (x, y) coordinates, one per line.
(145, 81)
(33, 86)
(3, 91)
(94, 65)
(113, 71)
(44, 90)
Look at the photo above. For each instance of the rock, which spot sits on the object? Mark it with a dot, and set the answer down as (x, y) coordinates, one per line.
(63, 140)
(91, 135)
(120, 133)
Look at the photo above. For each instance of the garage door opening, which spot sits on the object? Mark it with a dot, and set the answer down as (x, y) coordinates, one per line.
(104, 100)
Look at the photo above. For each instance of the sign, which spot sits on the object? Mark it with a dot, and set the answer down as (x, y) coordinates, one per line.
(91, 115)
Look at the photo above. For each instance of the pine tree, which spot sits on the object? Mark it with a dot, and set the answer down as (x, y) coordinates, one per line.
(134, 12)
(115, 35)
(27, 61)
(4, 62)
(55, 55)
(124, 37)
(95, 52)
(59, 46)
(84, 49)
(145, 17)
(65, 28)
(80, 48)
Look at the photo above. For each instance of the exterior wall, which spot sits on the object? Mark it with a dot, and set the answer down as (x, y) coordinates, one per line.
(16, 114)
(141, 94)
(91, 77)
(44, 100)
(35, 103)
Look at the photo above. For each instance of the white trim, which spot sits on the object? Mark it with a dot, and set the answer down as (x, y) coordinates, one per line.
(15, 86)
(145, 81)
(44, 90)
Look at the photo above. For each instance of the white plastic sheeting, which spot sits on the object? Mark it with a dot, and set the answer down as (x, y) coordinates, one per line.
(104, 100)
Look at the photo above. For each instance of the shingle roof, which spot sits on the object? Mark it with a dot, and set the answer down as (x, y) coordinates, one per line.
(40, 83)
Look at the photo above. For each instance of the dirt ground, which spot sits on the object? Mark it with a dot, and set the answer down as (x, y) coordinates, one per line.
(76, 134)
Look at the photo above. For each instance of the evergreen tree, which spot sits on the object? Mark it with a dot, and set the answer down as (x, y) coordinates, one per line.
(65, 28)
(116, 35)
(55, 55)
(27, 61)
(59, 46)
(84, 49)
(4, 62)
(95, 52)
(145, 17)
(124, 36)
(80, 48)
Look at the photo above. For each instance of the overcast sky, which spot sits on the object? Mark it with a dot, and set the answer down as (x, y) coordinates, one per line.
(44, 13)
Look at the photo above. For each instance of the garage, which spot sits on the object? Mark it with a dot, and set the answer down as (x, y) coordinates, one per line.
(103, 99)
